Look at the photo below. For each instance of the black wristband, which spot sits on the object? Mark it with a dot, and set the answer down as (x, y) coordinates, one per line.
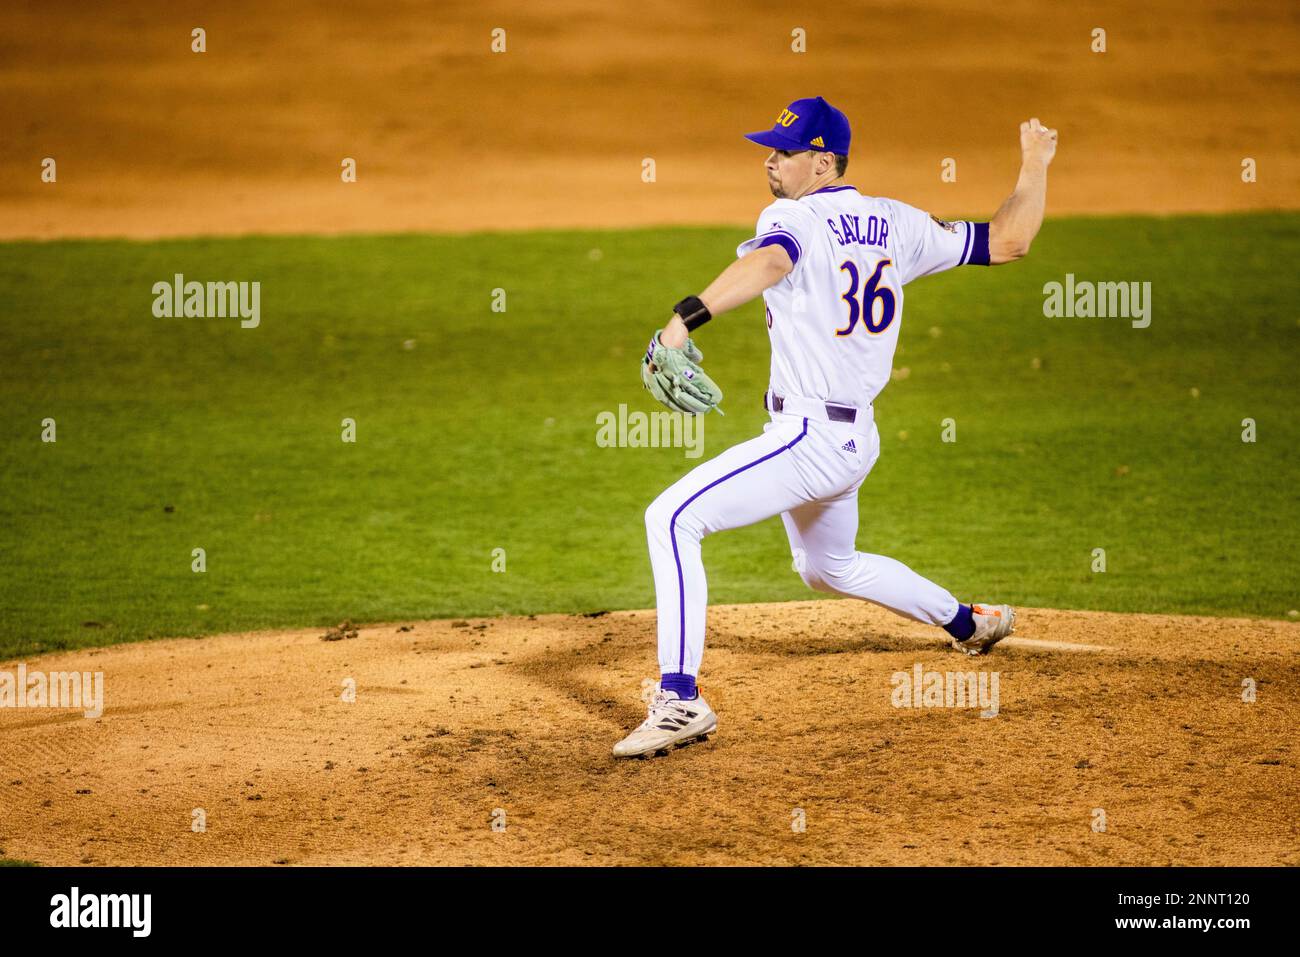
(693, 312)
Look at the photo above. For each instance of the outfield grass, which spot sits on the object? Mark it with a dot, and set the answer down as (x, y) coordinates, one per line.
(1072, 434)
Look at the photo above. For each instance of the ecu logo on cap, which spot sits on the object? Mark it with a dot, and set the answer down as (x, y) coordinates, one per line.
(786, 118)
(817, 141)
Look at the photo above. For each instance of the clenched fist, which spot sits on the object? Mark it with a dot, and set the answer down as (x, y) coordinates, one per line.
(1037, 142)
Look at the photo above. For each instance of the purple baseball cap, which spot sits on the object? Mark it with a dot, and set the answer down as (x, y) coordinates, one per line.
(807, 124)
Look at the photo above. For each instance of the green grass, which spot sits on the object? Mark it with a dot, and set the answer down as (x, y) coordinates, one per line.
(11, 862)
(482, 436)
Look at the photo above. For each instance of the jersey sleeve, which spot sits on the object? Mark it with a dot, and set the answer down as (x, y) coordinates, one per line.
(930, 245)
(786, 224)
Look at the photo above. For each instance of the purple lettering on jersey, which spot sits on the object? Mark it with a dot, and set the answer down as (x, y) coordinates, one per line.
(851, 231)
(848, 224)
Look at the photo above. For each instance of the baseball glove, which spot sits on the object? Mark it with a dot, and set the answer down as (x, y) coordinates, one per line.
(675, 378)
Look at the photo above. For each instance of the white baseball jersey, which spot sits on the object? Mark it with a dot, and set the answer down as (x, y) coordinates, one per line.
(834, 320)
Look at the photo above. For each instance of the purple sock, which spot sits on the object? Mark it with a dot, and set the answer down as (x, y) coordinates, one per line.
(684, 684)
(962, 625)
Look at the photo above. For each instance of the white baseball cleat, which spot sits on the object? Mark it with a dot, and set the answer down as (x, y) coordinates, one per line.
(671, 723)
(992, 624)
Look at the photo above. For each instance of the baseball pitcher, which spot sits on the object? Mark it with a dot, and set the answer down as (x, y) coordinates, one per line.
(831, 264)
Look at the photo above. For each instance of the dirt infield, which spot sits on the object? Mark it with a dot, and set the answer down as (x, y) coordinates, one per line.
(151, 139)
(1140, 716)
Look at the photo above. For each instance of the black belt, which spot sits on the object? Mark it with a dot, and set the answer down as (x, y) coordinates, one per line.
(836, 413)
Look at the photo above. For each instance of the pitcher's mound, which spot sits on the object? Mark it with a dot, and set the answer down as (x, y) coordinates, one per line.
(846, 735)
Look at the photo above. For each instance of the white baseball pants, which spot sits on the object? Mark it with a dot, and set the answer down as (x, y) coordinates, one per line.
(807, 471)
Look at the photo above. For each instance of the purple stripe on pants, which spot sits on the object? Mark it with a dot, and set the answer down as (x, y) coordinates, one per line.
(672, 534)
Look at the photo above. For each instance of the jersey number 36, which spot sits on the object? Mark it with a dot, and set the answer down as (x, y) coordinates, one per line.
(872, 293)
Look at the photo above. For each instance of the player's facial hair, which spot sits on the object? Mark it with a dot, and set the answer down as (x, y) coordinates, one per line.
(775, 185)
(774, 182)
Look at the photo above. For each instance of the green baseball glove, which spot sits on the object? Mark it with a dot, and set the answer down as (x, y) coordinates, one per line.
(675, 378)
